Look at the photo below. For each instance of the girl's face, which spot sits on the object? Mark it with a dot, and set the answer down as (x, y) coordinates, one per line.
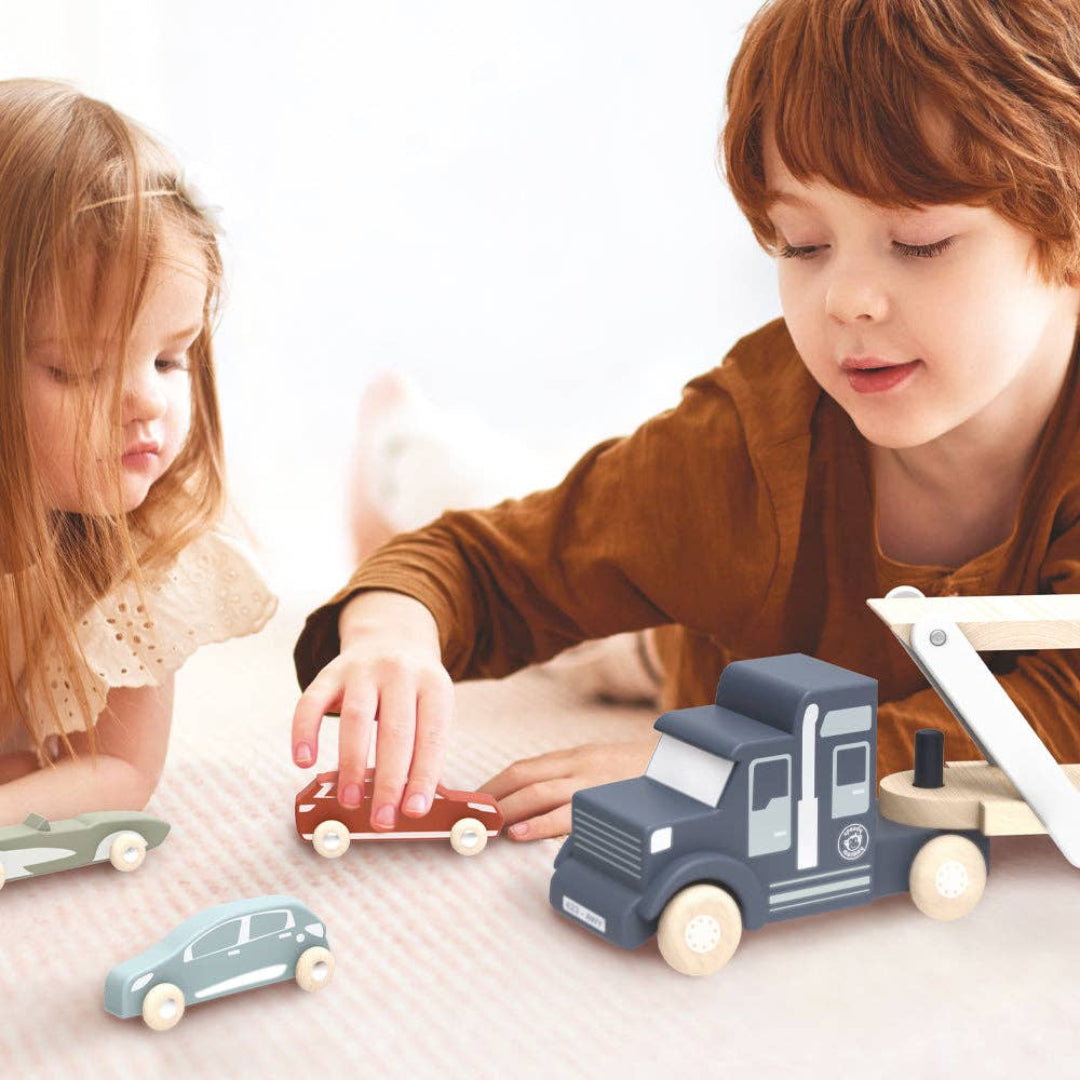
(72, 457)
(948, 296)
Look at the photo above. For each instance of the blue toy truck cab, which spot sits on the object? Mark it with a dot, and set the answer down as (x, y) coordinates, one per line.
(768, 796)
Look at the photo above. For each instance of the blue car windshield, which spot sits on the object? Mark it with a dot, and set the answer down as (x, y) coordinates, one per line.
(689, 769)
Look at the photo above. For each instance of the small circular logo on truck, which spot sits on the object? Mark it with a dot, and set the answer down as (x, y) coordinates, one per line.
(853, 842)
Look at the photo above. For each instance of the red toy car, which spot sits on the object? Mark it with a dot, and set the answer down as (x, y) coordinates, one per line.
(468, 818)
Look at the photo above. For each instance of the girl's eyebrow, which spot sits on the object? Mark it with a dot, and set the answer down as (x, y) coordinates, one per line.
(183, 335)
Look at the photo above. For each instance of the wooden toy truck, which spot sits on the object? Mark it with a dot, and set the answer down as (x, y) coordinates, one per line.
(762, 806)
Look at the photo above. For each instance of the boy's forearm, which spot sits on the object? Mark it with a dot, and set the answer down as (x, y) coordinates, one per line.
(74, 786)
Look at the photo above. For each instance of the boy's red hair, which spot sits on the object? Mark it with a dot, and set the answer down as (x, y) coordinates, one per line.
(846, 87)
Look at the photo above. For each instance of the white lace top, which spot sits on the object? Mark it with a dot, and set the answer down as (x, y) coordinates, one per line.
(213, 591)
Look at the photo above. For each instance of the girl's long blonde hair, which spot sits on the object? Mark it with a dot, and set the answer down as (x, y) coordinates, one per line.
(87, 198)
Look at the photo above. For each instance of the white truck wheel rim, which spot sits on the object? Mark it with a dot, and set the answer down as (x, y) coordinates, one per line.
(702, 934)
(951, 879)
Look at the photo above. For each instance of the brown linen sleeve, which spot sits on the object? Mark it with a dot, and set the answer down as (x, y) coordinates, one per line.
(670, 524)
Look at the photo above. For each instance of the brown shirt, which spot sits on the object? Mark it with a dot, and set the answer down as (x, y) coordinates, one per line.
(743, 522)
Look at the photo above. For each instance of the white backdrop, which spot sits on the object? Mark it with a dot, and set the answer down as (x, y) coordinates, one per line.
(516, 203)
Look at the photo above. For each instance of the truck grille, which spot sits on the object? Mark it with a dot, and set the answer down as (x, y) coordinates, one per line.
(605, 843)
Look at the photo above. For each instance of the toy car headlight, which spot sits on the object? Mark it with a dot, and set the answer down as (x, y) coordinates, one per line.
(660, 840)
(141, 981)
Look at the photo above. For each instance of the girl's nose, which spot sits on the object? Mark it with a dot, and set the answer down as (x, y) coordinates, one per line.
(144, 395)
(852, 296)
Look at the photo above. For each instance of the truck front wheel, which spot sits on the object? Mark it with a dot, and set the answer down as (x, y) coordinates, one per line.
(947, 877)
(699, 929)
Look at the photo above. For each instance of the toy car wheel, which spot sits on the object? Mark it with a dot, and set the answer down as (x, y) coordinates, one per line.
(163, 1006)
(3, 876)
(699, 929)
(947, 877)
(330, 839)
(468, 836)
(128, 851)
(315, 968)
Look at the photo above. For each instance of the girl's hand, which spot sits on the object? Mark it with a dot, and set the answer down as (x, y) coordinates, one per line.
(389, 669)
(534, 794)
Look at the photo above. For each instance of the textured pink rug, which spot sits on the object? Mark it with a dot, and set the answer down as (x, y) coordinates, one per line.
(454, 967)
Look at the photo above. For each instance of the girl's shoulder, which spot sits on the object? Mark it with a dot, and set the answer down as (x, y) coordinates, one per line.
(138, 634)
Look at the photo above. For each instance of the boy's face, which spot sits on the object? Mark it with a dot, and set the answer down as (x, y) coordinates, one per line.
(949, 294)
(70, 451)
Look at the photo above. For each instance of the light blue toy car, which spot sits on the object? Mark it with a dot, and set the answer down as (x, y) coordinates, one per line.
(222, 950)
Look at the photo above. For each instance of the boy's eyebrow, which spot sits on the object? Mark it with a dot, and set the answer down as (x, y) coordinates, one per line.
(778, 195)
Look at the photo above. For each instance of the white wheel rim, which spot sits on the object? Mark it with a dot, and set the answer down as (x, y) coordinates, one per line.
(168, 1009)
(331, 841)
(469, 838)
(320, 971)
(702, 934)
(951, 879)
(131, 853)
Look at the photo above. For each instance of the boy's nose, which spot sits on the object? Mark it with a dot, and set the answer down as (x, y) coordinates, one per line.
(852, 296)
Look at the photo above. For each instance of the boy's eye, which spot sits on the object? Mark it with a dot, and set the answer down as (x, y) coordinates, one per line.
(923, 251)
(805, 252)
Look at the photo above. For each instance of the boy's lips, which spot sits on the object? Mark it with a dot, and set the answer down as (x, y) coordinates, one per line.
(871, 375)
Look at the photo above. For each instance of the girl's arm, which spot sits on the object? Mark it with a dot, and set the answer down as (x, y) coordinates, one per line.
(132, 734)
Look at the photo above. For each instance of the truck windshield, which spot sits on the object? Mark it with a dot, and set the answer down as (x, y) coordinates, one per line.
(689, 769)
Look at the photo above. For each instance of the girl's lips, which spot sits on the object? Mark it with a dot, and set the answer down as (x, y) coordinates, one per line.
(877, 380)
(140, 460)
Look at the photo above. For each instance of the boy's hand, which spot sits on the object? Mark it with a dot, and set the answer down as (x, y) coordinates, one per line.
(534, 794)
(389, 669)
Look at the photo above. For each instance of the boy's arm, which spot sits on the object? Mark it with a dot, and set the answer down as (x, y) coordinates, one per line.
(644, 530)
(132, 735)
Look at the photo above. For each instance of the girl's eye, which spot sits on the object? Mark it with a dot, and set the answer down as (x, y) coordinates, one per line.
(165, 363)
(924, 251)
(66, 377)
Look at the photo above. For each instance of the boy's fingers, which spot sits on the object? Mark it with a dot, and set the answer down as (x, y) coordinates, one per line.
(554, 823)
(394, 737)
(522, 774)
(315, 702)
(536, 799)
(354, 737)
(434, 714)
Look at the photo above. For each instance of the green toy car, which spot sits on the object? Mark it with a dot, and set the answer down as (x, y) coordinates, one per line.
(38, 846)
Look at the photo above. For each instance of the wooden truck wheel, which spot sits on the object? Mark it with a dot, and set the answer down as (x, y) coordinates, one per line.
(699, 929)
(330, 839)
(127, 852)
(468, 836)
(315, 968)
(163, 1007)
(947, 877)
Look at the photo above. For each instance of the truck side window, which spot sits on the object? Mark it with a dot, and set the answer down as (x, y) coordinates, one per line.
(851, 779)
(769, 820)
(770, 782)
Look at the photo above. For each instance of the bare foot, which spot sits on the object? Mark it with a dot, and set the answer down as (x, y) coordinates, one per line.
(369, 526)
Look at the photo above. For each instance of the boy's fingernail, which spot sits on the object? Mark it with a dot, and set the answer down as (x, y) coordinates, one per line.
(385, 816)
(416, 804)
(520, 829)
(351, 795)
(303, 754)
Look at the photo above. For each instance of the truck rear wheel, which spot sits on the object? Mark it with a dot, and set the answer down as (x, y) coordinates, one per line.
(947, 877)
(699, 929)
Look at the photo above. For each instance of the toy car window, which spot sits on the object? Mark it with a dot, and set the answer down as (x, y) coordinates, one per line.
(265, 923)
(221, 937)
(689, 769)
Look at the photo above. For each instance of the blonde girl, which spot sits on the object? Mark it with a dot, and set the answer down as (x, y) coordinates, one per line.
(111, 479)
